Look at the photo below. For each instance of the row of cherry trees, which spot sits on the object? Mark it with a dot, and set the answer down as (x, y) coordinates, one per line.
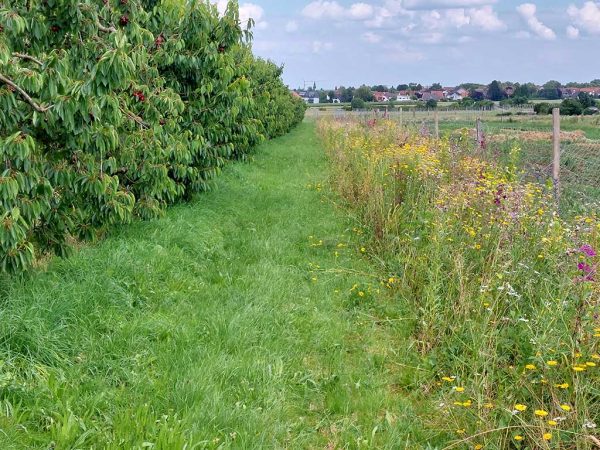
(114, 109)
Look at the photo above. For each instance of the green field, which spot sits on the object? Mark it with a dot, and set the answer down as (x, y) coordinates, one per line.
(230, 323)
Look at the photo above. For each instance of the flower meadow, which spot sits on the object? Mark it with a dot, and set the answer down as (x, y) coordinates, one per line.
(504, 291)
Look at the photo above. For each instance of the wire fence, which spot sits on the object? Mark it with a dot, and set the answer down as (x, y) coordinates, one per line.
(574, 173)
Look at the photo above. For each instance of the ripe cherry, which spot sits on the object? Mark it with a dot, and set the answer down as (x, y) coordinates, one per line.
(124, 20)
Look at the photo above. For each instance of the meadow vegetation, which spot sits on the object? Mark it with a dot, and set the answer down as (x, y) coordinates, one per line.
(503, 291)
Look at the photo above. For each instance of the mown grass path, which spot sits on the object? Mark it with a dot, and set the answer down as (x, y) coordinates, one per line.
(222, 325)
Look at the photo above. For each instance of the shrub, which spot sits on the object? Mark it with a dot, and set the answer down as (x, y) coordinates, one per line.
(542, 108)
(431, 103)
(357, 104)
(571, 107)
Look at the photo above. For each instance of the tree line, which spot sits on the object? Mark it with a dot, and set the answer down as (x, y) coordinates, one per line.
(113, 110)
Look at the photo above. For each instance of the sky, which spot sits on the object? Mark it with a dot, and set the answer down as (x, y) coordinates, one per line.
(390, 42)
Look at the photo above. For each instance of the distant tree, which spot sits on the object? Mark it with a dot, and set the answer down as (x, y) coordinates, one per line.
(379, 88)
(322, 96)
(402, 87)
(415, 86)
(347, 94)
(495, 92)
(586, 100)
(436, 87)
(550, 93)
(365, 93)
(358, 103)
(595, 83)
(476, 95)
(552, 84)
(526, 90)
(431, 103)
(331, 95)
(571, 107)
(470, 86)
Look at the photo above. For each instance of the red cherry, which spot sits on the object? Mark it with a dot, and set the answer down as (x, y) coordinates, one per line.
(124, 20)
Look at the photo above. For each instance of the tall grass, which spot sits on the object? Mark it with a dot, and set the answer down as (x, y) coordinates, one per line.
(504, 290)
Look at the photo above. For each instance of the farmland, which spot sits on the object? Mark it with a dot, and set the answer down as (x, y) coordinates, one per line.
(193, 258)
(234, 321)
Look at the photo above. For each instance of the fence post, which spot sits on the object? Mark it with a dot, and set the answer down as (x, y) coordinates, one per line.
(556, 147)
(437, 124)
(479, 134)
(401, 118)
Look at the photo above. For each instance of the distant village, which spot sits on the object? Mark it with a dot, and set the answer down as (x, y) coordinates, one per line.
(495, 91)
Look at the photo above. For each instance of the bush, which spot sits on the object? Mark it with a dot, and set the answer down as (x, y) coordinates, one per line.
(542, 108)
(108, 114)
(571, 107)
(431, 103)
(357, 103)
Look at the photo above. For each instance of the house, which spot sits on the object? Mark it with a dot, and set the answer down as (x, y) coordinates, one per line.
(574, 92)
(403, 98)
(310, 97)
(462, 92)
(593, 91)
(336, 100)
(455, 97)
(433, 95)
(381, 96)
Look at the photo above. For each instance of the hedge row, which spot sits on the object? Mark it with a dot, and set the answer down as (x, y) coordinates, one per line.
(114, 109)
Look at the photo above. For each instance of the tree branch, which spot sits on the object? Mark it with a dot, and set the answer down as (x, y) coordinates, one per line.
(136, 119)
(104, 29)
(28, 58)
(25, 95)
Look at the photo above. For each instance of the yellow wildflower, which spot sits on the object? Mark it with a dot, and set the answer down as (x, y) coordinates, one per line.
(565, 408)
(552, 363)
(552, 423)
(530, 367)
(518, 437)
(541, 413)
(547, 436)
(520, 407)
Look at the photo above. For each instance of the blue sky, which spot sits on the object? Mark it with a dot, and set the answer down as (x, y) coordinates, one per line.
(341, 42)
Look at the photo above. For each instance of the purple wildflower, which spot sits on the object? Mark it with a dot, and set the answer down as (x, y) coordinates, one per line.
(585, 268)
(587, 250)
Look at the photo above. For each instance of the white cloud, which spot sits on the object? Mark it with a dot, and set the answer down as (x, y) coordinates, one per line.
(323, 9)
(572, 32)
(291, 26)
(372, 38)
(320, 46)
(486, 19)
(528, 12)
(457, 17)
(361, 11)
(440, 4)
(587, 17)
(247, 11)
